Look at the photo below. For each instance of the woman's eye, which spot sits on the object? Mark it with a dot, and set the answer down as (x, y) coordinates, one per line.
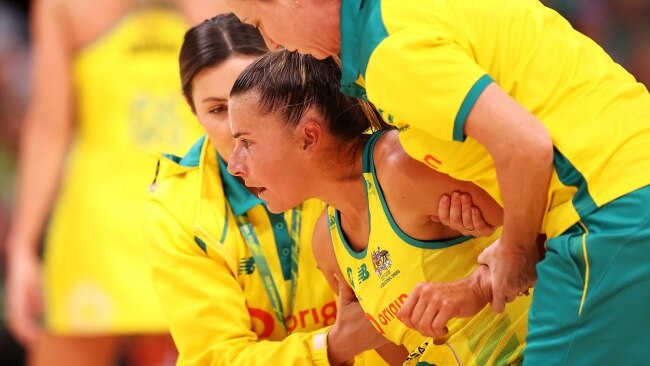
(246, 143)
(219, 109)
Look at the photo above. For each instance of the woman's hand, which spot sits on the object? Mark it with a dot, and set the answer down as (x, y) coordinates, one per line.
(352, 333)
(512, 270)
(24, 302)
(431, 305)
(458, 212)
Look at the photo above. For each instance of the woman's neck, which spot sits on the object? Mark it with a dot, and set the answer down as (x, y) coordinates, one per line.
(342, 186)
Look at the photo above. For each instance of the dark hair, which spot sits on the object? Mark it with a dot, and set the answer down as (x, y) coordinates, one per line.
(289, 83)
(214, 41)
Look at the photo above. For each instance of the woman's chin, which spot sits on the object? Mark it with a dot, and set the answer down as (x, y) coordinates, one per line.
(271, 205)
(275, 207)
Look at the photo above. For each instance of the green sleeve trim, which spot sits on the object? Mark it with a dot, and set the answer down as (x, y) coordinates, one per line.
(467, 105)
(201, 244)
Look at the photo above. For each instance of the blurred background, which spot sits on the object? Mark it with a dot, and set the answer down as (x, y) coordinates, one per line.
(14, 89)
(621, 27)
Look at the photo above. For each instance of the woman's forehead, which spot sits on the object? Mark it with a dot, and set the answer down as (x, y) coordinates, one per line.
(247, 100)
(245, 112)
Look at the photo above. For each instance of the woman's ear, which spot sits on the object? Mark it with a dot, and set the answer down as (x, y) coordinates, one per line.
(311, 134)
(310, 131)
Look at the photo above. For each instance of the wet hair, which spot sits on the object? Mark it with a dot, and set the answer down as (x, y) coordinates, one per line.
(290, 83)
(214, 41)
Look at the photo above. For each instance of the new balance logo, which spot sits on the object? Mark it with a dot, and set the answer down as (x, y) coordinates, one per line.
(246, 265)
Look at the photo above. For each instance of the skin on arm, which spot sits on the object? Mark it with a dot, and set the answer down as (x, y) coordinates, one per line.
(519, 144)
(422, 212)
(456, 209)
(352, 333)
(522, 150)
(45, 140)
(431, 305)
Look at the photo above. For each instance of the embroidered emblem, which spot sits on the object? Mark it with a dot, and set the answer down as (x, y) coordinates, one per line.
(381, 261)
(246, 265)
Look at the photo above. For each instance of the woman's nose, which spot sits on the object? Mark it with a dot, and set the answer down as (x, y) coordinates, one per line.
(234, 166)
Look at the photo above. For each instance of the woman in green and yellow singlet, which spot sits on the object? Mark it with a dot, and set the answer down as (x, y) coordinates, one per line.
(106, 99)
(377, 236)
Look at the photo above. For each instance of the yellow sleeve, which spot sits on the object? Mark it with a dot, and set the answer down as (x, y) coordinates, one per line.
(425, 79)
(205, 305)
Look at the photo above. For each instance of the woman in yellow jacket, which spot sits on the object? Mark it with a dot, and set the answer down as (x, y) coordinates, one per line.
(238, 283)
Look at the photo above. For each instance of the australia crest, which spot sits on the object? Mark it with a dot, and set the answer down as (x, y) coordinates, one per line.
(381, 261)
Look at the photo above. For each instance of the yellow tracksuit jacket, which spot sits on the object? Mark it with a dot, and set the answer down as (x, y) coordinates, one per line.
(208, 281)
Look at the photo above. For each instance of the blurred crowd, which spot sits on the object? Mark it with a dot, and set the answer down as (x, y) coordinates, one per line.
(621, 27)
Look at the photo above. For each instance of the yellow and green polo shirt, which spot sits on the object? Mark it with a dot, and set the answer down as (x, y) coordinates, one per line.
(424, 63)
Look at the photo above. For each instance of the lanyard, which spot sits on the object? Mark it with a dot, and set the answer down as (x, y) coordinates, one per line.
(254, 246)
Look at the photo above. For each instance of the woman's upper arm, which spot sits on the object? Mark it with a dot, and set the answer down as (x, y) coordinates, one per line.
(504, 126)
(52, 53)
(324, 251)
(396, 170)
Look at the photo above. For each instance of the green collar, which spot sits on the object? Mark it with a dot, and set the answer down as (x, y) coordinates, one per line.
(240, 198)
(192, 158)
(350, 38)
(362, 29)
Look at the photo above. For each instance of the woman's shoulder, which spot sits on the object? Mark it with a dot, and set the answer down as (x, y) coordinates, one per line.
(398, 172)
(87, 21)
(389, 156)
